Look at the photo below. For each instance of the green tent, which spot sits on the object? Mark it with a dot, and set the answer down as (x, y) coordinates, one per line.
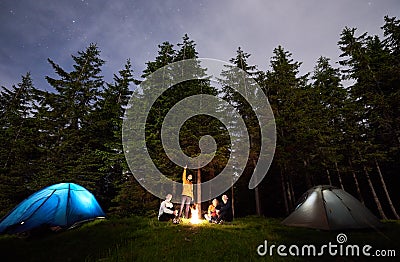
(330, 208)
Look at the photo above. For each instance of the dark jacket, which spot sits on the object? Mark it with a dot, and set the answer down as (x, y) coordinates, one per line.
(225, 211)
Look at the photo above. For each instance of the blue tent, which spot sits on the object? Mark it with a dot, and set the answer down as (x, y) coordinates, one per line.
(60, 205)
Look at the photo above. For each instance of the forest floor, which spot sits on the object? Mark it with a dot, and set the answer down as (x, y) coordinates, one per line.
(146, 239)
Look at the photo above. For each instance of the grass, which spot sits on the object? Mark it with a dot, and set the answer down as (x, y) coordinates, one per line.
(146, 239)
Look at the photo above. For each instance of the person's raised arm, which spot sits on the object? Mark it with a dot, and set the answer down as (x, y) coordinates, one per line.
(184, 175)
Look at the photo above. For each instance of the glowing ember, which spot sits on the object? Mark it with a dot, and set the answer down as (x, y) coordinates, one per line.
(194, 215)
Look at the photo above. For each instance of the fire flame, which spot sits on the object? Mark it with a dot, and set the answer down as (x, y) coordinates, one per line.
(194, 215)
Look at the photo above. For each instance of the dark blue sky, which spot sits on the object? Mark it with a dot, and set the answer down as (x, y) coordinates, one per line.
(32, 31)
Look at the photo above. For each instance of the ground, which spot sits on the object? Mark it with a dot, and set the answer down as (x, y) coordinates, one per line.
(146, 239)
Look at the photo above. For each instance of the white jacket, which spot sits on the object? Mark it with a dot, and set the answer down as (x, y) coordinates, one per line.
(165, 207)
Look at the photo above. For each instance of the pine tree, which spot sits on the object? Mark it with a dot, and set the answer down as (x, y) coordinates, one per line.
(369, 63)
(285, 91)
(243, 80)
(166, 55)
(108, 131)
(193, 129)
(69, 123)
(19, 151)
(328, 115)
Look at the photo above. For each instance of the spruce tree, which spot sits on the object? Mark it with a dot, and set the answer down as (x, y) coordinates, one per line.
(285, 91)
(107, 131)
(69, 120)
(233, 81)
(329, 117)
(20, 146)
(368, 62)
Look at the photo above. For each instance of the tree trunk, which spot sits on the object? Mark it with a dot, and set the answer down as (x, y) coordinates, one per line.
(258, 207)
(329, 177)
(174, 191)
(257, 196)
(308, 180)
(375, 196)
(285, 200)
(11, 149)
(212, 174)
(290, 197)
(339, 176)
(356, 183)
(233, 201)
(292, 192)
(386, 191)
(198, 204)
(289, 193)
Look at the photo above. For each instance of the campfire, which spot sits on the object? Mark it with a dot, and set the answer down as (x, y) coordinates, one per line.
(194, 219)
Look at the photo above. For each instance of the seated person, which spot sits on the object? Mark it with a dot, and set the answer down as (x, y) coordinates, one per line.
(224, 211)
(166, 211)
(211, 215)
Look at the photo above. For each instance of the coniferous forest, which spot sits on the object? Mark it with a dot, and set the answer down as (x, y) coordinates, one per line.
(338, 125)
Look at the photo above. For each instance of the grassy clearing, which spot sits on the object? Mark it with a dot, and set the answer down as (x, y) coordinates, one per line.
(144, 239)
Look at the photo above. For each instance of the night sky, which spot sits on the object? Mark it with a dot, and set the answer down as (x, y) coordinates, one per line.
(32, 31)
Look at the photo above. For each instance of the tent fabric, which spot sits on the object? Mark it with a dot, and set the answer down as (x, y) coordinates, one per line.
(331, 208)
(61, 205)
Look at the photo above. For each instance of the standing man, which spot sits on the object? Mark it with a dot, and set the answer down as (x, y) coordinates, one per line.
(187, 193)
